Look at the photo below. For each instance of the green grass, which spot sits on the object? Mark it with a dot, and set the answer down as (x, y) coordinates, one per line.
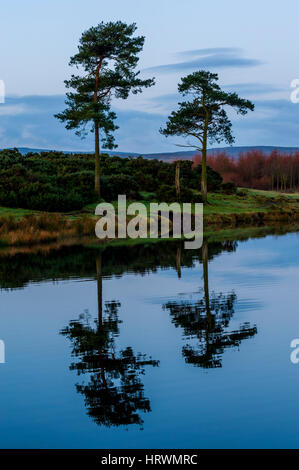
(281, 211)
(251, 201)
(219, 203)
(261, 192)
(17, 212)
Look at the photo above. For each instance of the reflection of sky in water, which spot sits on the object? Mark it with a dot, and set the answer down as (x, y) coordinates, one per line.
(250, 402)
(259, 262)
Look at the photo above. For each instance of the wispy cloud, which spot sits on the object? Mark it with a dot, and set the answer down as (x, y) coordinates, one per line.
(274, 122)
(209, 51)
(11, 109)
(253, 88)
(36, 127)
(218, 57)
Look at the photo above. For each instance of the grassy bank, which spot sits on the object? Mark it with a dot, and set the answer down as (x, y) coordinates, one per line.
(247, 208)
(227, 235)
(251, 207)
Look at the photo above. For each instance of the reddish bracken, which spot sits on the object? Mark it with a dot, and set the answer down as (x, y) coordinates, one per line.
(255, 169)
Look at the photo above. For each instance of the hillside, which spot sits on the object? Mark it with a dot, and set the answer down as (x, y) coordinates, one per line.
(168, 156)
(231, 151)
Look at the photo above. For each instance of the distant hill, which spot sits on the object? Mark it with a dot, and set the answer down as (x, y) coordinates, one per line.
(231, 151)
(169, 156)
(25, 150)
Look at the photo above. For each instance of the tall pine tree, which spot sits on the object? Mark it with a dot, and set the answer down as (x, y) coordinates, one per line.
(204, 116)
(107, 57)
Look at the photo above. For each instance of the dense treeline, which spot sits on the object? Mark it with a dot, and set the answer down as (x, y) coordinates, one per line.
(255, 169)
(55, 181)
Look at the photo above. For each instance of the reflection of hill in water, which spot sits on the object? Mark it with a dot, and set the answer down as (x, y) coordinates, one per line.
(79, 262)
(19, 269)
(110, 376)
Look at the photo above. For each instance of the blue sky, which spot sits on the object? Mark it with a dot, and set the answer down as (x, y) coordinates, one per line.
(253, 47)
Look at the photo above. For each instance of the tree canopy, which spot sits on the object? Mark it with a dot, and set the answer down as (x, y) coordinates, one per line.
(204, 117)
(114, 392)
(107, 58)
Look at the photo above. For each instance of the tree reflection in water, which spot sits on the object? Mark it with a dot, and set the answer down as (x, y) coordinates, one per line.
(207, 321)
(114, 394)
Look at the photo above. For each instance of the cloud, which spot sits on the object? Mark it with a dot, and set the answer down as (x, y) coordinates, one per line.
(219, 57)
(36, 127)
(11, 110)
(274, 122)
(253, 88)
(209, 51)
(164, 104)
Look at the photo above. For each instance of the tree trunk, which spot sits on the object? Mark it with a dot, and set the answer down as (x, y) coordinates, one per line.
(97, 159)
(209, 324)
(177, 180)
(99, 289)
(96, 132)
(178, 262)
(204, 186)
(204, 189)
(206, 276)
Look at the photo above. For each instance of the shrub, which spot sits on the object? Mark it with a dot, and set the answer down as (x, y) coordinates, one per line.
(114, 185)
(242, 193)
(167, 193)
(54, 181)
(229, 187)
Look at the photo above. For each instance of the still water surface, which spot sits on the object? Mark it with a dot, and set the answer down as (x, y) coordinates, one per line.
(151, 347)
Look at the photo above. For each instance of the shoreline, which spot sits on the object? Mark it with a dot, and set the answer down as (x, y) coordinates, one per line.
(211, 235)
(244, 211)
